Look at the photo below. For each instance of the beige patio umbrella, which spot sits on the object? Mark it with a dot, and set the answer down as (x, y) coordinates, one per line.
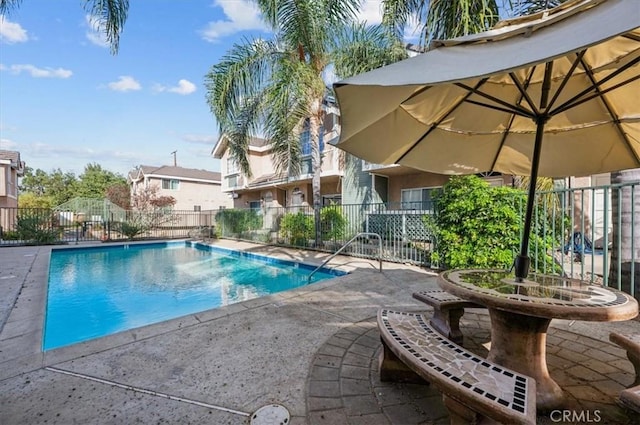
(553, 94)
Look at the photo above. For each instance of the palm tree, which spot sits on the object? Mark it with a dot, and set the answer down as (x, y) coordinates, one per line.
(275, 88)
(625, 204)
(442, 19)
(108, 15)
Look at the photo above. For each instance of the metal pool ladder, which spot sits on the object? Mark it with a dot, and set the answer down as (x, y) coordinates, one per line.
(347, 244)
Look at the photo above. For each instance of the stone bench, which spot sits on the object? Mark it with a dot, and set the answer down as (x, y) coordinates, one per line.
(473, 388)
(447, 311)
(631, 343)
(630, 398)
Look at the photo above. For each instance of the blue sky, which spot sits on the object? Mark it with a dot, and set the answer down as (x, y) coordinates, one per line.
(66, 101)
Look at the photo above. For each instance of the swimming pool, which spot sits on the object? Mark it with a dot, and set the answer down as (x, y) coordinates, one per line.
(98, 291)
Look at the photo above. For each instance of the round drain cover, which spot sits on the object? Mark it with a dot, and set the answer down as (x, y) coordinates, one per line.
(273, 414)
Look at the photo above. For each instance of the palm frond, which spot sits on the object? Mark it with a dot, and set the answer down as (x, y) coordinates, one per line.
(8, 6)
(110, 15)
(396, 14)
(240, 75)
(360, 48)
(449, 19)
(290, 96)
(240, 127)
(527, 7)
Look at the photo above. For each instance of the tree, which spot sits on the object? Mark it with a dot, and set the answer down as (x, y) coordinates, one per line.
(148, 211)
(60, 187)
(625, 200)
(32, 200)
(119, 194)
(275, 88)
(94, 181)
(442, 19)
(34, 181)
(109, 16)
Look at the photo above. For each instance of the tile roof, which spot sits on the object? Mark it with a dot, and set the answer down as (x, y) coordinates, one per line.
(267, 179)
(13, 156)
(180, 172)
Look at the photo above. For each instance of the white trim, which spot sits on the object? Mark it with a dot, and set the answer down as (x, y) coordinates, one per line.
(163, 176)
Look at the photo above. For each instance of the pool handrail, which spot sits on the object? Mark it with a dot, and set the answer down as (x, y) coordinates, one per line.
(347, 244)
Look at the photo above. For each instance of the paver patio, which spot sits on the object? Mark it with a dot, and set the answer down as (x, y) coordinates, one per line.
(313, 350)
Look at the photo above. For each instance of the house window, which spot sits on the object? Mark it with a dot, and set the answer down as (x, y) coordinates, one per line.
(232, 181)
(197, 208)
(306, 166)
(417, 199)
(170, 184)
(254, 205)
(232, 166)
(305, 140)
(332, 199)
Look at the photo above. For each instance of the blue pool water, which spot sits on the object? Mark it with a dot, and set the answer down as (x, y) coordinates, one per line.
(95, 292)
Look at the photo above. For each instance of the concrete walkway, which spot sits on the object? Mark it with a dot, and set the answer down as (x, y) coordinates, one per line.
(312, 350)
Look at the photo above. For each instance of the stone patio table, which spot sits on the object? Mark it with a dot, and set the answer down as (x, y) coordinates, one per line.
(522, 311)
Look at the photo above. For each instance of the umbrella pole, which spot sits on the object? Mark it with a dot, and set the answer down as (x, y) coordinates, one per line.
(523, 261)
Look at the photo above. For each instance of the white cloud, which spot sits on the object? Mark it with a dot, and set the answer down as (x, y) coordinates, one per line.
(36, 72)
(8, 144)
(12, 32)
(184, 87)
(242, 15)
(95, 32)
(125, 83)
(200, 139)
(370, 12)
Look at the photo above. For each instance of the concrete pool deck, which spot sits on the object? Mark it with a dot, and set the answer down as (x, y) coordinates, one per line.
(312, 350)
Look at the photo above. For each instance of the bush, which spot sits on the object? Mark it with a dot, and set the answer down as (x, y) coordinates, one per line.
(332, 222)
(9, 235)
(37, 227)
(297, 228)
(237, 221)
(478, 226)
(130, 229)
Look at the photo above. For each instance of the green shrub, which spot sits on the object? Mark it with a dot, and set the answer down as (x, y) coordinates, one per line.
(10, 235)
(38, 227)
(237, 221)
(332, 222)
(297, 228)
(130, 229)
(478, 226)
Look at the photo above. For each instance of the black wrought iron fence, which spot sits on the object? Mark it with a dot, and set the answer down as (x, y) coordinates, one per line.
(20, 226)
(588, 232)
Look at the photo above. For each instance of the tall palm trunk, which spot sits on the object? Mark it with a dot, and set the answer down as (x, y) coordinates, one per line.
(625, 253)
(316, 167)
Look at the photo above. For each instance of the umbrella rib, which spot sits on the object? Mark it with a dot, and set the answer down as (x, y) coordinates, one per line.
(437, 123)
(515, 109)
(579, 99)
(566, 78)
(523, 92)
(607, 105)
(507, 130)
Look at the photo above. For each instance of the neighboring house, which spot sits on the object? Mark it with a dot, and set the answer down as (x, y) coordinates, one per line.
(193, 189)
(403, 188)
(11, 168)
(267, 189)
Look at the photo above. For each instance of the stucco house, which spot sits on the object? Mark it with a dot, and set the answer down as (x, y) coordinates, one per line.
(193, 189)
(11, 168)
(267, 189)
